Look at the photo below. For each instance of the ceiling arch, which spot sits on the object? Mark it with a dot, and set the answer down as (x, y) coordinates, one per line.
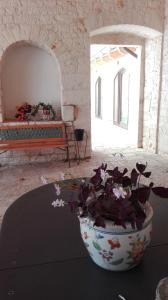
(137, 30)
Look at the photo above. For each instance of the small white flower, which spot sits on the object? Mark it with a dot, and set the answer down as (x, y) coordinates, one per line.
(121, 297)
(58, 203)
(57, 189)
(119, 192)
(62, 203)
(89, 199)
(43, 179)
(102, 174)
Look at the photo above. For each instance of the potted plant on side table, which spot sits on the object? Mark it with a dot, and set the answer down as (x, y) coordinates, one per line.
(115, 216)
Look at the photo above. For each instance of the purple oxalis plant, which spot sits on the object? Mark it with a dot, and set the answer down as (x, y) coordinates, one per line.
(113, 195)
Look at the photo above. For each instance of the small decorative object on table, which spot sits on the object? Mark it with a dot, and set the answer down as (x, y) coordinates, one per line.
(115, 216)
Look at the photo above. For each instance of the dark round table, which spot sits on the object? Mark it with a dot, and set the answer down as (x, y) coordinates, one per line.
(42, 256)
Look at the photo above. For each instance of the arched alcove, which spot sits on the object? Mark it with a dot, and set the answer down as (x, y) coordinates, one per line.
(29, 74)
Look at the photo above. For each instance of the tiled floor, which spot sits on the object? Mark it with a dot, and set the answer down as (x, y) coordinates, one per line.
(17, 180)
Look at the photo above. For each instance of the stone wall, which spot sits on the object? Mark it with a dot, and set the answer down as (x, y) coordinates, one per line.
(163, 111)
(64, 27)
(152, 93)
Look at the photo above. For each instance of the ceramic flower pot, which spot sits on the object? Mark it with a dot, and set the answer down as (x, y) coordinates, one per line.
(113, 247)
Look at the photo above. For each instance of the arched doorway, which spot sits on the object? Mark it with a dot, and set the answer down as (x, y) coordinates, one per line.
(116, 100)
(127, 36)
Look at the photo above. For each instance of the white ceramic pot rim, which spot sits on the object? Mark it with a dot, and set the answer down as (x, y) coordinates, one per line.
(118, 229)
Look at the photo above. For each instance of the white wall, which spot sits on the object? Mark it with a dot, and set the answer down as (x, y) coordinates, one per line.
(65, 27)
(29, 74)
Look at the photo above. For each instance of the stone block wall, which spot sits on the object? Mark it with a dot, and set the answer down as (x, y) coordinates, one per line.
(163, 112)
(63, 27)
(153, 62)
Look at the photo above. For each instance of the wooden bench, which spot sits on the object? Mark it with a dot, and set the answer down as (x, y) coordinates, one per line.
(31, 136)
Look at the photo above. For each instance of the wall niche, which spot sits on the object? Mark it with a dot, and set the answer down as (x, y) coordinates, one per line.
(29, 74)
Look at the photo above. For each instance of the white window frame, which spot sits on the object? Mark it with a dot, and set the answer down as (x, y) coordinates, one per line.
(117, 104)
(98, 98)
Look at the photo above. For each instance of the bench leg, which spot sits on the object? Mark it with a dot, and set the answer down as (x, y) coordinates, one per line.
(68, 157)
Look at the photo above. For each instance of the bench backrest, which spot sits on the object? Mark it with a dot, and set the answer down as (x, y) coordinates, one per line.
(32, 132)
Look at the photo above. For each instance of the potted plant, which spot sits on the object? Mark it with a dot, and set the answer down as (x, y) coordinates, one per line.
(115, 216)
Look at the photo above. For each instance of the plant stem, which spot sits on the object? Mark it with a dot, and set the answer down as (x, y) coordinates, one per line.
(139, 180)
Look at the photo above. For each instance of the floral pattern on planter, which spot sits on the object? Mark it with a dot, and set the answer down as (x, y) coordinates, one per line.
(85, 235)
(96, 245)
(115, 251)
(106, 255)
(114, 243)
(137, 250)
(99, 236)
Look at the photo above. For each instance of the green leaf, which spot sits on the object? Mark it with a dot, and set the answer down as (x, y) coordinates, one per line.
(96, 245)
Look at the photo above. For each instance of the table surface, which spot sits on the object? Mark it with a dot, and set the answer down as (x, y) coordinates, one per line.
(42, 255)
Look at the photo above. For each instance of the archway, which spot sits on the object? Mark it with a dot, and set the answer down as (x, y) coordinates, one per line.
(151, 41)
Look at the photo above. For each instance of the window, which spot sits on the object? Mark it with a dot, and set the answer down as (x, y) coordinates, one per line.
(121, 99)
(98, 98)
